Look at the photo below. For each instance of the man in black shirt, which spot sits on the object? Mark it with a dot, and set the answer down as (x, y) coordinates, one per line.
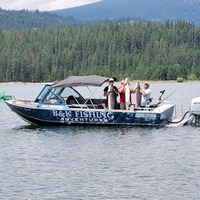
(111, 81)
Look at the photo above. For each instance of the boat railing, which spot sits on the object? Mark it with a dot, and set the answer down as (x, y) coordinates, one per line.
(74, 102)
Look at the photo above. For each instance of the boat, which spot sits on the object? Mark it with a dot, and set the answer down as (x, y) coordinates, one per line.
(61, 104)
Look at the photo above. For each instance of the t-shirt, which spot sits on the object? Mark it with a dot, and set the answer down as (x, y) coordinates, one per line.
(122, 96)
(115, 89)
(145, 99)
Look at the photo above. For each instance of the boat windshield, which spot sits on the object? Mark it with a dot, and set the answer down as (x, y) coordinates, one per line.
(51, 98)
(42, 93)
(58, 95)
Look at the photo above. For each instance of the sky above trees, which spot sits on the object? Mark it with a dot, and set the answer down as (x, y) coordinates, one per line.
(43, 5)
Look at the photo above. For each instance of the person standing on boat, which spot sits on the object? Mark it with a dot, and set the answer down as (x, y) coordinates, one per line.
(145, 94)
(111, 82)
(121, 91)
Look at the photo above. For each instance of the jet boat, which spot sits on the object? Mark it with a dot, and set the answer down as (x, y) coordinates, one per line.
(61, 104)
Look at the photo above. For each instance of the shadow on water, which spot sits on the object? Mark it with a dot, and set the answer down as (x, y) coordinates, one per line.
(75, 130)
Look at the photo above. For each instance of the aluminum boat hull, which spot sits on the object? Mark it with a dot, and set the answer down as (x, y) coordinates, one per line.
(56, 115)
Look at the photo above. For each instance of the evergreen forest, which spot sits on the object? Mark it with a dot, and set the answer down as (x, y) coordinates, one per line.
(24, 19)
(140, 51)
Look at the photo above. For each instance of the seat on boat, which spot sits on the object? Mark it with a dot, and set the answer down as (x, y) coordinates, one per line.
(74, 102)
(71, 100)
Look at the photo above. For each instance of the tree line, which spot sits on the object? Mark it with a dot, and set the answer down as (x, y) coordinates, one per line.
(24, 19)
(140, 51)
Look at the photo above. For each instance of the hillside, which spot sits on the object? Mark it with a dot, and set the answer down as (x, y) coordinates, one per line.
(140, 51)
(156, 10)
(25, 19)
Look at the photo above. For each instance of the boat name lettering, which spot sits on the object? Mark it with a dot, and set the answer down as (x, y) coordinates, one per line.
(61, 113)
(83, 116)
(146, 115)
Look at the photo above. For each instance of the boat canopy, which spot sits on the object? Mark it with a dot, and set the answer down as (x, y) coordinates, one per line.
(74, 81)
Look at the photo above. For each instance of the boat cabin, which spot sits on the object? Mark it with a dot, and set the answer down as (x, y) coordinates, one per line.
(65, 94)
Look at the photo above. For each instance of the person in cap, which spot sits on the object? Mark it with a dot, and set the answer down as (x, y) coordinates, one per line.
(111, 81)
(121, 91)
(145, 94)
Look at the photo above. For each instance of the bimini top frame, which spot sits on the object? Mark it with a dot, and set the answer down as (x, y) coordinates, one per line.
(75, 81)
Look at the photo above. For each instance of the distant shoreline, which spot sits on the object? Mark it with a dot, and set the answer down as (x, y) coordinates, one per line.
(25, 83)
(44, 83)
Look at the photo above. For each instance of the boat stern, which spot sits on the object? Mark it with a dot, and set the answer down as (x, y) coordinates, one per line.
(166, 110)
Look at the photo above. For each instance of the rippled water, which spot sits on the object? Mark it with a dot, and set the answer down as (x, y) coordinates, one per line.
(79, 163)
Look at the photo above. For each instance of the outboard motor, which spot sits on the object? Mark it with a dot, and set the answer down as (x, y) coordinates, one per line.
(195, 106)
(195, 110)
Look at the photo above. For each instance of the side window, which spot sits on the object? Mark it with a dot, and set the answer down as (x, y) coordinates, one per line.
(51, 98)
(68, 92)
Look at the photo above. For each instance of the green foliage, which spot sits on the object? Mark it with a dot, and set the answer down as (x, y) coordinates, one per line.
(192, 77)
(140, 51)
(180, 80)
(25, 19)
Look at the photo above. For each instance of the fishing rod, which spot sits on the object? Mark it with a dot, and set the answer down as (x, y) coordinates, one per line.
(162, 92)
(160, 101)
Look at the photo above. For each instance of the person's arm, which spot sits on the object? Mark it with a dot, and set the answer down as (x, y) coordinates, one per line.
(105, 91)
(142, 91)
(131, 89)
(116, 91)
(120, 89)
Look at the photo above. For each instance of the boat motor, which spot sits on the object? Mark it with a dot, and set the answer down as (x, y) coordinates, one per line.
(195, 106)
(195, 110)
(194, 117)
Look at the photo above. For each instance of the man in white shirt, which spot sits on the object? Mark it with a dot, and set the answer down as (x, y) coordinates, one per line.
(145, 94)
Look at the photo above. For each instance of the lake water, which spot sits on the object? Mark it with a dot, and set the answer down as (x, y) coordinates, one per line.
(107, 163)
